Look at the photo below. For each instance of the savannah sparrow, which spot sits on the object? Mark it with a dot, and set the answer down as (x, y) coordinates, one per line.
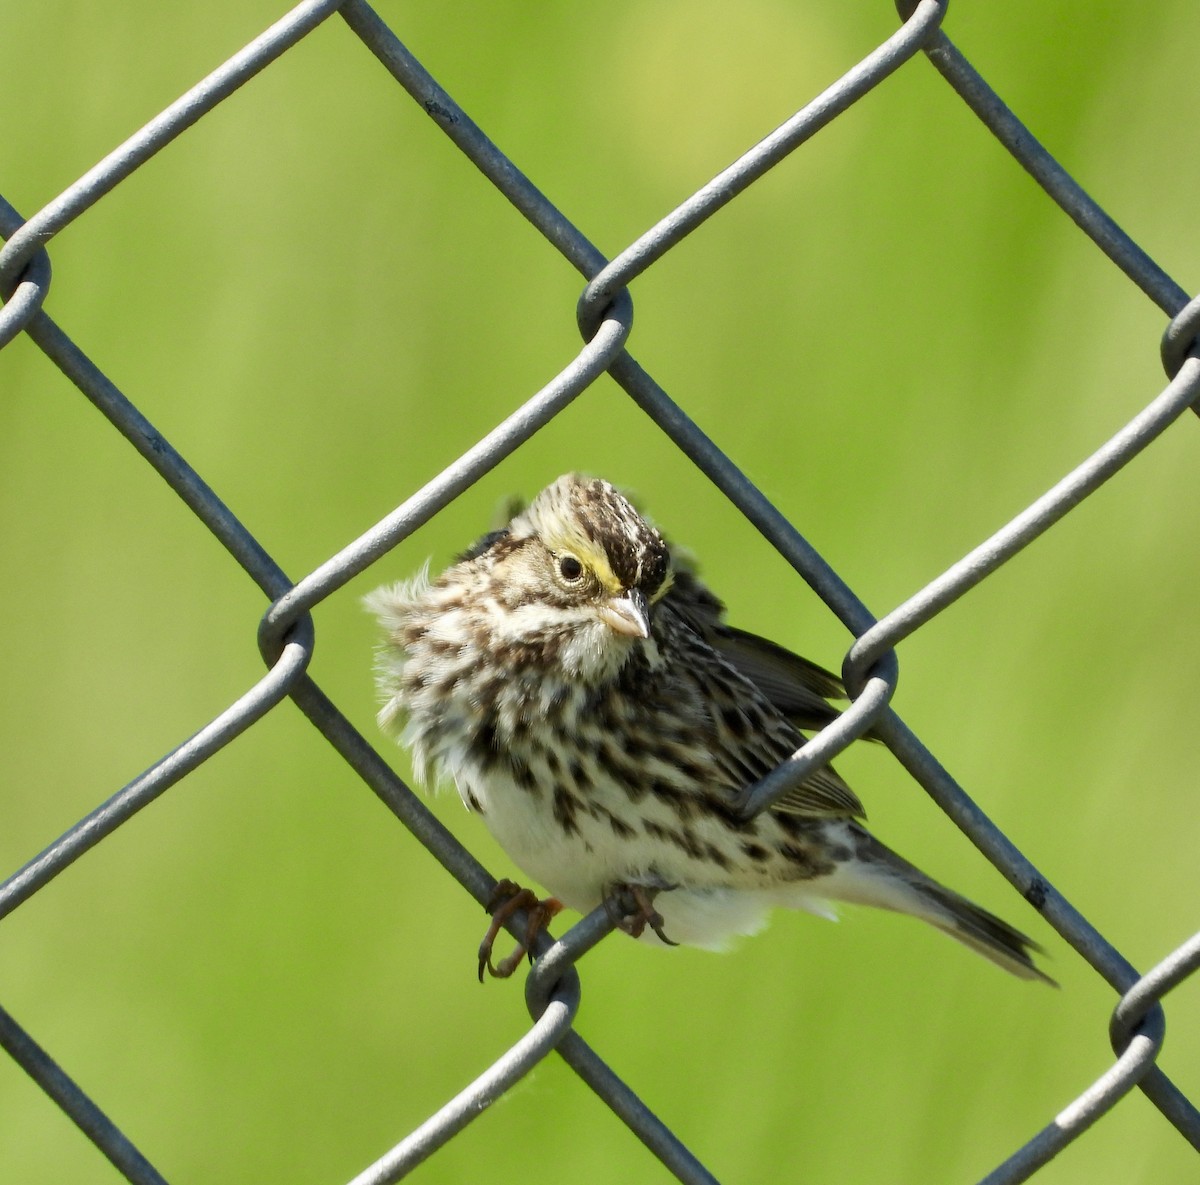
(589, 702)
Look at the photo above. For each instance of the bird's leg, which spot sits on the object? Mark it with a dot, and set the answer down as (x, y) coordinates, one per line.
(508, 897)
(634, 921)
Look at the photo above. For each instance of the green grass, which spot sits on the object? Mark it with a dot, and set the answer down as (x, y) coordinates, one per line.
(320, 304)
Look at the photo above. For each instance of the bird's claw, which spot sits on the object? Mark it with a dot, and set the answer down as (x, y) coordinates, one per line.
(634, 921)
(507, 898)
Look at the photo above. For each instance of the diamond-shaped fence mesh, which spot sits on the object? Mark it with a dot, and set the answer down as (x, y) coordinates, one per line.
(286, 634)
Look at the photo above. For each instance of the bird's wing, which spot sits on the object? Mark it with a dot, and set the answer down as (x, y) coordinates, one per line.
(824, 794)
(798, 688)
(764, 695)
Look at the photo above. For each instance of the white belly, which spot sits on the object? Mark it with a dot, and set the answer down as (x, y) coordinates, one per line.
(580, 868)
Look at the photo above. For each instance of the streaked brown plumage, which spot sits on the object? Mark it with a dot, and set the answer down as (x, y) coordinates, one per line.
(590, 702)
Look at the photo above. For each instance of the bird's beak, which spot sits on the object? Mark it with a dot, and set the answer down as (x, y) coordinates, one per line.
(628, 615)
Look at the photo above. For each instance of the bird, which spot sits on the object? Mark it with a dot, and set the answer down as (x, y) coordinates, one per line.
(578, 683)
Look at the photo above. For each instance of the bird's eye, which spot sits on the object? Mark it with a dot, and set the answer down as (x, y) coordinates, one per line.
(569, 568)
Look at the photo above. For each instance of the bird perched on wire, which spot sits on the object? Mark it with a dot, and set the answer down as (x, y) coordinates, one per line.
(592, 706)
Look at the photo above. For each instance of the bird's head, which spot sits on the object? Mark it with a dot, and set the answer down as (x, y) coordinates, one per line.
(578, 572)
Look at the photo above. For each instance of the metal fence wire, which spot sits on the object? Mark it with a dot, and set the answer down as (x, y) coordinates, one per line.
(604, 312)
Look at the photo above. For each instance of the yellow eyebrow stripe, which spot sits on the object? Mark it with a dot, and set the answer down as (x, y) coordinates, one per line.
(663, 588)
(560, 541)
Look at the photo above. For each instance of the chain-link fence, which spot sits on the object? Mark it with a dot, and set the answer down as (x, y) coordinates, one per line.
(604, 314)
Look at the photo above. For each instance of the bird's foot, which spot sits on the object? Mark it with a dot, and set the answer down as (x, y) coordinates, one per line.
(634, 921)
(507, 898)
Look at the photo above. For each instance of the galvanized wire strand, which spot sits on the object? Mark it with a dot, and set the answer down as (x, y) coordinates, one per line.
(759, 511)
(1142, 999)
(580, 938)
(559, 958)
(1178, 396)
(155, 449)
(1003, 853)
(871, 691)
(162, 775)
(553, 956)
(1079, 1115)
(1019, 532)
(1181, 337)
(390, 789)
(1150, 989)
(928, 772)
(76, 1105)
(856, 721)
(28, 294)
(104, 176)
(1070, 196)
(862, 78)
(470, 139)
(548, 1029)
(575, 247)
(605, 315)
(289, 662)
(609, 283)
(583, 370)
(150, 444)
(629, 1108)
(1180, 393)
(877, 641)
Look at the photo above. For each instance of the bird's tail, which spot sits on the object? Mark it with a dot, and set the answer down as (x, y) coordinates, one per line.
(888, 881)
(973, 926)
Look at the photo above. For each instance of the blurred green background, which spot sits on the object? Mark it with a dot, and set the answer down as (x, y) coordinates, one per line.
(263, 977)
